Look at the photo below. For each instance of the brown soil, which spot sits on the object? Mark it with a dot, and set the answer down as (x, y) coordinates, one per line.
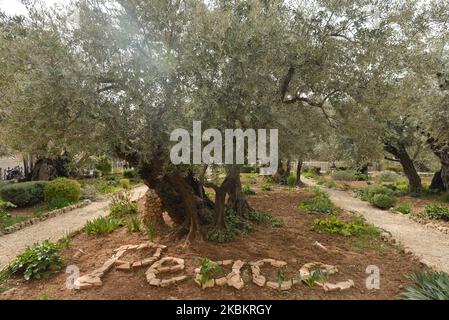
(292, 243)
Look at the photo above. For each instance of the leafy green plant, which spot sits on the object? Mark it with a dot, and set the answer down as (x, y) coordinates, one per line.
(315, 276)
(436, 211)
(62, 192)
(356, 227)
(102, 226)
(403, 208)
(38, 261)
(134, 225)
(266, 187)
(220, 235)
(246, 189)
(319, 204)
(427, 286)
(121, 205)
(312, 170)
(24, 194)
(125, 184)
(208, 270)
(331, 184)
(383, 201)
(259, 216)
(65, 241)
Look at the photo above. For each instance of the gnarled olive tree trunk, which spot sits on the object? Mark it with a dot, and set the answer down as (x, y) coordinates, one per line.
(401, 155)
(237, 200)
(299, 183)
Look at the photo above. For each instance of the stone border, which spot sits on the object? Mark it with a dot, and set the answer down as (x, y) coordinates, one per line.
(305, 272)
(93, 279)
(261, 281)
(45, 216)
(429, 223)
(157, 268)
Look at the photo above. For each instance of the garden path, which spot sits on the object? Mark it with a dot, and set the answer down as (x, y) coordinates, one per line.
(55, 228)
(430, 245)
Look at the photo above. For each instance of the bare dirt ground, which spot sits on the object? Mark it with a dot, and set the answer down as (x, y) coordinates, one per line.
(56, 228)
(292, 243)
(431, 246)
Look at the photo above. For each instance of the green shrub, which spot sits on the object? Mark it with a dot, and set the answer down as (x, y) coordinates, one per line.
(208, 270)
(111, 178)
(130, 174)
(367, 193)
(125, 184)
(246, 189)
(347, 175)
(62, 192)
(104, 165)
(291, 180)
(38, 261)
(427, 286)
(24, 194)
(403, 208)
(320, 181)
(102, 226)
(388, 176)
(236, 225)
(121, 205)
(89, 192)
(259, 216)
(220, 235)
(266, 187)
(436, 211)
(383, 201)
(320, 204)
(356, 227)
(361, 176)
(331, 185)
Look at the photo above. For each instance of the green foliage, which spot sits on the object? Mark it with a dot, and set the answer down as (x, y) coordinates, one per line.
(388, 176)
(346, 175)
(38, 261)
(266, 187)
(383, 201)
(246, 189)
(436, 211)
(24, 194)
(130, 174)
(220, 235)
(331, 185)
(62, 192)
(125, 184)
(311, 170)
(133, 225)
(320, 181)
(445, 197)
(208, 270)
(403, 208)
(367, 193)
(427, 286)
(291, 180)
(104, 165)
(260, 216)
(315, 276)
(88, 192)
(356, 227)
(102, 226)
(65, 241)
(319, 204)
(4, 278)
(281, 275)
(121, 205)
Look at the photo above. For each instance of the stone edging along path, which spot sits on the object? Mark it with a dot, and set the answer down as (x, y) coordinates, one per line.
(45, 216)
(429, 245)
(56, 228)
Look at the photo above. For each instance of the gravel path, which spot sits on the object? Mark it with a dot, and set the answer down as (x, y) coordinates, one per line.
(430, 245)
(55, 228)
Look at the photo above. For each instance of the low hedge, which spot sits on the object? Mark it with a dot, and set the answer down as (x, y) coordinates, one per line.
(61, 192)
(24, 194)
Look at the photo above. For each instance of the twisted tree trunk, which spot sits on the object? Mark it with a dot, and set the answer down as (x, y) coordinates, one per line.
(401, 154)
(237, 200)
(299, 183)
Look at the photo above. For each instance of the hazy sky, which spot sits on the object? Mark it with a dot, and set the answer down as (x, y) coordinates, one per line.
(15, 7)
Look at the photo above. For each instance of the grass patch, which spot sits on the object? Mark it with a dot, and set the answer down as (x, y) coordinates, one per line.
(102, 226)
(259, 217)
(246, 189)
(403, 208)
(356, 227)
(121, 205)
